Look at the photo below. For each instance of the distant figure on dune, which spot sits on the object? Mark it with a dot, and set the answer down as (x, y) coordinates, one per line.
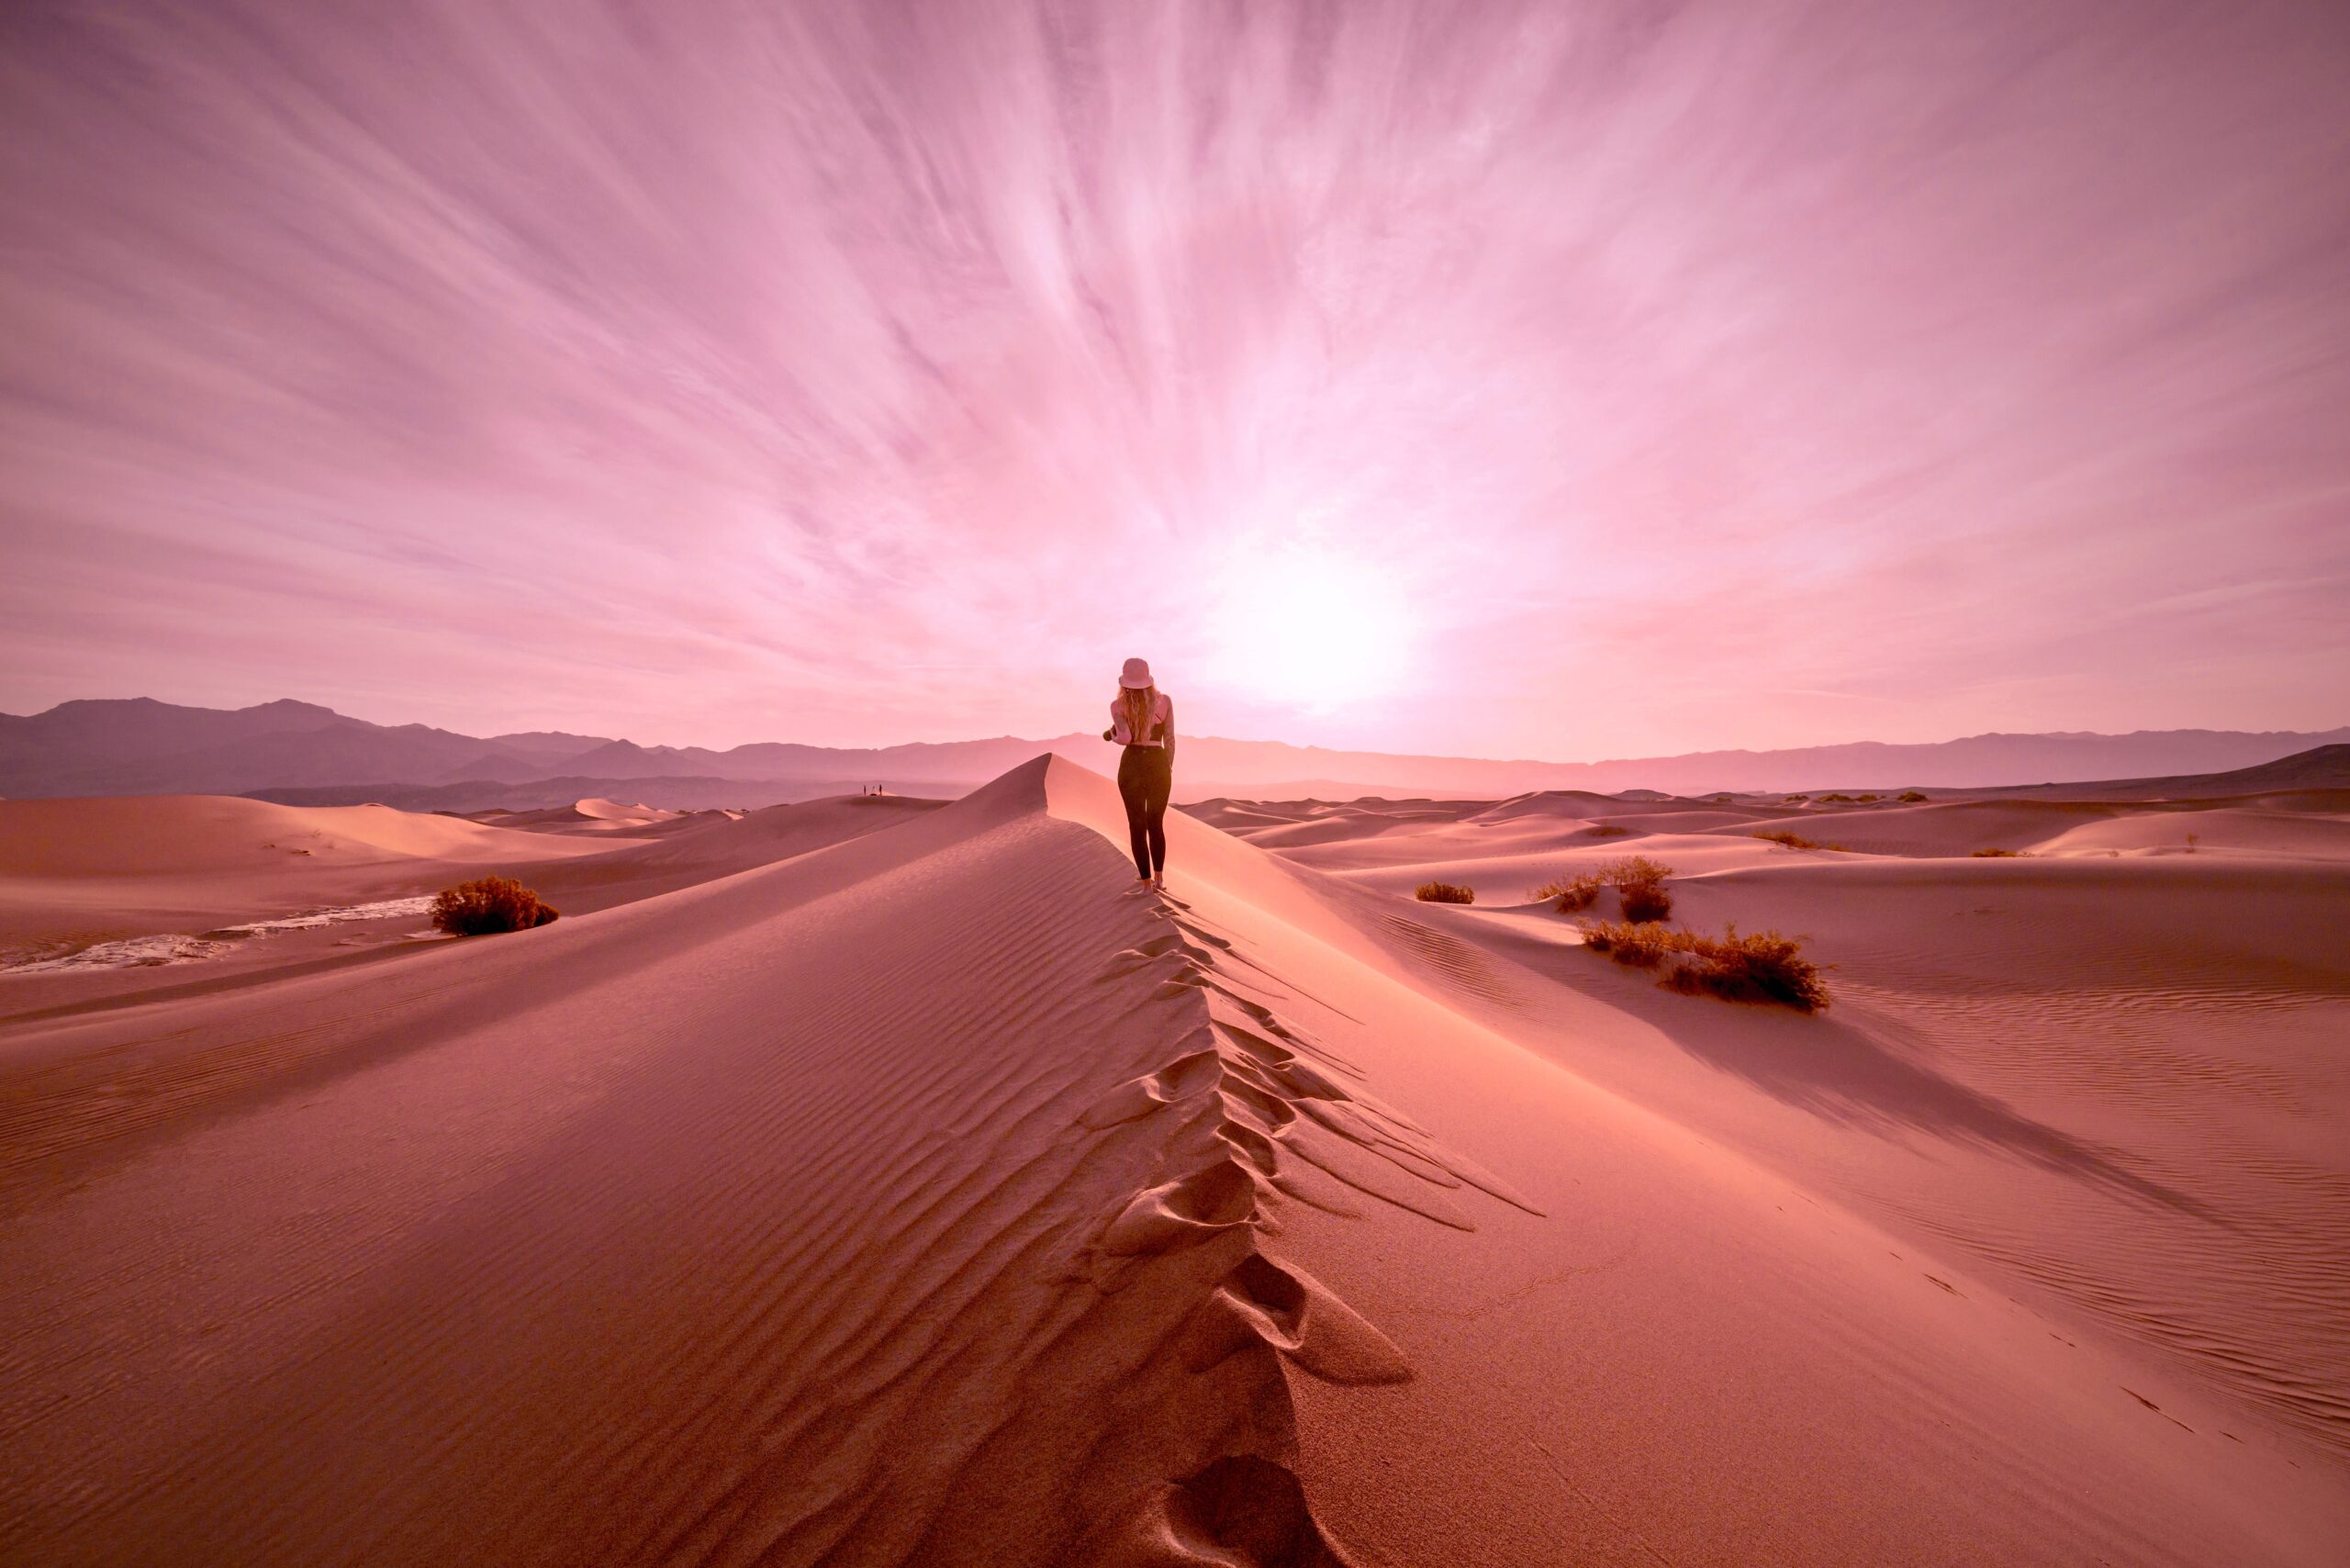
(1142, 720)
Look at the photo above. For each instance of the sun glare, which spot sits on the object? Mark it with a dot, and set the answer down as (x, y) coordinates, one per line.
(1312, 627)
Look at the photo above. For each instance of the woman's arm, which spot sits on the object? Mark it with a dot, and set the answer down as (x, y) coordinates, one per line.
(1171, 732)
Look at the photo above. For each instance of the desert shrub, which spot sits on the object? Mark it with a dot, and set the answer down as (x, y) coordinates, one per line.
(1645, 902)
(1795, 800)
(1797, 841)
(1761, 966)
(1630, 870)
(1846, 798)
(1638, 881)
(1995, 855)
(1642, 947)
(1606, 830)
(1570, 893)
(1912, 796)
(488, 904)
(1723, 800)
(1444, 892)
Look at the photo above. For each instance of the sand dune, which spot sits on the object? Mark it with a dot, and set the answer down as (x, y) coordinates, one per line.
(936, 1197)
(591, 814)
(1941, 830)
(634, 815)
(159, 835)
(2112, 1085)
(105, 899)
(2298, 833)
(79, 871)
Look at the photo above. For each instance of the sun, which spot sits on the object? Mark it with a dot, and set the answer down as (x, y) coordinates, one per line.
(1311, 626)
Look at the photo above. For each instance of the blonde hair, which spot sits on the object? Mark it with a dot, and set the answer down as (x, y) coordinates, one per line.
(1141, 702)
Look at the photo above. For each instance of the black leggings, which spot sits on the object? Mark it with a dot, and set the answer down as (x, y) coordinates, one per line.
(1146, 777)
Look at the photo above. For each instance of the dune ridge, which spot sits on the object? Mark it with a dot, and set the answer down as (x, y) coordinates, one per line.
(1153, 1398)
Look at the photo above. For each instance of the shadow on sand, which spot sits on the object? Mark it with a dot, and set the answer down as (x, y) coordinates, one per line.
(1833, 1067)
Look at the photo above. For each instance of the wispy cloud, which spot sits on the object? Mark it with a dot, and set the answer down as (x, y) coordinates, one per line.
(1744, 376)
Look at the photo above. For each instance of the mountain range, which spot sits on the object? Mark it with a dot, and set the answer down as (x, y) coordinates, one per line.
(300, 752)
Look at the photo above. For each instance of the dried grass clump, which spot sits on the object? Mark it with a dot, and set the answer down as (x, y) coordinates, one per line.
(1912, 796)
(1606, 830)
(1642, 947)
(1630, 870)
(488, 904)
(1644, 902)
(1639, 882)
(1444, 892)
(1795, 800)
(1846, 798)
(1570, 893)
(1797, 841)
(1996, 854)
(1763, 967)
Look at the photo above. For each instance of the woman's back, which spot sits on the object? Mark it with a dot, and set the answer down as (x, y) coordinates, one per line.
(1159, 727)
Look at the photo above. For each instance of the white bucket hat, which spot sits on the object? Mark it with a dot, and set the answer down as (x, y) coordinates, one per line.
(1136, 675)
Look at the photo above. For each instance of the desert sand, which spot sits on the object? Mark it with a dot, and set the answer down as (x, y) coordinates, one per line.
(899, 1183)
(105, 900)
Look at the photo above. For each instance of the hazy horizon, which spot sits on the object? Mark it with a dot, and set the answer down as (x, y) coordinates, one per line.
(1081, 732)
(1484, 382)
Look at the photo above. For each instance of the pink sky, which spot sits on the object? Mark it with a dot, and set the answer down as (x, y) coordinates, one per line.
(1507, 380)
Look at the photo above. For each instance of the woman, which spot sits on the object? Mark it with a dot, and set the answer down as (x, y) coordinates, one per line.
(1143, 721)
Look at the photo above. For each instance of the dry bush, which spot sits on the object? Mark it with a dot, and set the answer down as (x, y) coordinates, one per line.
(1571, 893)
(1444, 892)
(488, 904)
(1643, 947)
(1846, 798)
(1868, 796)
(1996, 854)
(1606, 830)
(1644, 902)
(1638, 881)
(1630, 870)
(1795, 800)
(1797, 841)
(1912, 796)
(1763, 967)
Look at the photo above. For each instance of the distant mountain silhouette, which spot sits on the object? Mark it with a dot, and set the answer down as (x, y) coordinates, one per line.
(2319, 767)
(285, 748)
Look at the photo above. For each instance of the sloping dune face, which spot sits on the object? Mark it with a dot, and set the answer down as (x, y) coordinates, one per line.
(150, 836)
(75, 872)
(902, 1205)
(941, 1197)
(620, 812)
